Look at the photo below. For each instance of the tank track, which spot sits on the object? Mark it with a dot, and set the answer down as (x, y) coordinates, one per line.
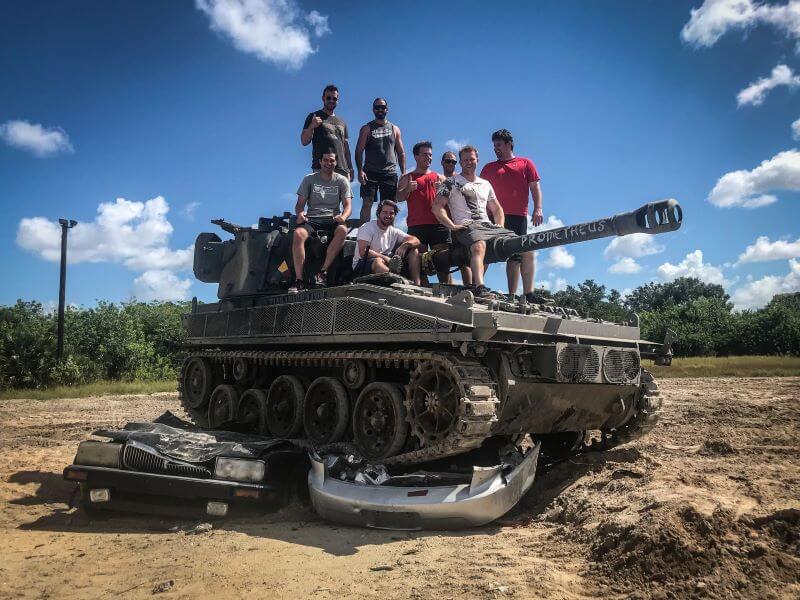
(477, 408)
(648, 412)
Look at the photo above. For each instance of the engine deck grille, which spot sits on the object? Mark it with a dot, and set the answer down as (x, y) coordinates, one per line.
(621, 366)
(578, 363)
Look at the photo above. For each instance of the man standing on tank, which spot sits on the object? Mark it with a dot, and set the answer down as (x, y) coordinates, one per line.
(379, 151)
(324, 130)
(418, 189)
(512, 177)
(449, 162)
(323, 205)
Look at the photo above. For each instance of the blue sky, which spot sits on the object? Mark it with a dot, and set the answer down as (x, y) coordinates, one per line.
(187, 116)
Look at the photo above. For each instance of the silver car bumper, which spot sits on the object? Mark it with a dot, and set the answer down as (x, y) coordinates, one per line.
(488, 496)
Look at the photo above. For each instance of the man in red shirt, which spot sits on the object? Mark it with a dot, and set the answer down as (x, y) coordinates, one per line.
(512, 177)
(418, 188)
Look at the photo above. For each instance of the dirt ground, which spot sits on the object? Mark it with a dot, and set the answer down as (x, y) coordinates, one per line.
(708, 505)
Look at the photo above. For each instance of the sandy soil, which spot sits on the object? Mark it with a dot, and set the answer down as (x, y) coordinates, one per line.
(708, 505)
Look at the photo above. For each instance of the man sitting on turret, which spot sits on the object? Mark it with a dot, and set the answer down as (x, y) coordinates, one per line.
(383, 248)
(468, 197)
(323, 205)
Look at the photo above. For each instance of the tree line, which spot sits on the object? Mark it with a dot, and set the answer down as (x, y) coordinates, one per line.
(142, 341)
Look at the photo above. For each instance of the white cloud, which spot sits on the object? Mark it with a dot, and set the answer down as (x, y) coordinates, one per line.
(455, 145)
(189, 210)
(715, 17)
(552, 222)
(41, 141)
(135, 234)
(625, 266)
(559, 285)
(559, 258)
(748, 188)
(318, 22)
(160, 285)
(756, 294)
(755, 93)
(796, 129)
(634, 245)
(272, 30)
(764, 250)
(692, 266)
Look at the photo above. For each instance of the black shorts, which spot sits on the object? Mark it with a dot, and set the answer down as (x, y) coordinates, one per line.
(385, 183)
(320, 226)
(430, 235)
(519, 225)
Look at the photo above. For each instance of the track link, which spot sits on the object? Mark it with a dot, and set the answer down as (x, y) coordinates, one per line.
(477, 390)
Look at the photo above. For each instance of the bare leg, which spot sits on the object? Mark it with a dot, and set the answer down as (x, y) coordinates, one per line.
(366, 210)
(528, 267)
(412, 256)
(466, 275)
(478, 251)
(512, 273)
(334, 246)
(299, 251)
(378, 266)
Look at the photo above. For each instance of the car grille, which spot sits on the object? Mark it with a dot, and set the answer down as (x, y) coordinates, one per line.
(137, 458)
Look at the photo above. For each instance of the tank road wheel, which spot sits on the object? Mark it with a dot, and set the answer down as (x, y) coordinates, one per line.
(284, 416)
(197, 382)
(379, 421)
(251, 412)
(432, 402)
(240, 369)
(222, 405)
(354, 374)
(326, 413)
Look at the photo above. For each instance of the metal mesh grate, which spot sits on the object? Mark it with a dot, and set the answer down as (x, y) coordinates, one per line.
(357, 316)
(289, 319)
(621, 366)
(195, 325)
(578, 363)
(239, 322)
(318, 317)
(216, 324)
(263, 320)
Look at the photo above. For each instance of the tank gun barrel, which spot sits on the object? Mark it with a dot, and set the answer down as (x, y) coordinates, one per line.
(652, 218)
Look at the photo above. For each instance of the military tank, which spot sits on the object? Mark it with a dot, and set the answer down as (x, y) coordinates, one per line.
(407, 374)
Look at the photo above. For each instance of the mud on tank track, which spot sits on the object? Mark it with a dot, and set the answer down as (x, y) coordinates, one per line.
(705, 506)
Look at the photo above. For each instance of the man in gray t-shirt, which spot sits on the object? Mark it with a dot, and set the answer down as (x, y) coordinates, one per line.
(323, 205)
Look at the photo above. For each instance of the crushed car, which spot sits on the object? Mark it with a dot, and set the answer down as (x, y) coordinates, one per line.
(171, 467)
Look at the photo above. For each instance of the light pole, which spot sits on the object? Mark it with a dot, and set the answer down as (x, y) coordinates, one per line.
(66, 225)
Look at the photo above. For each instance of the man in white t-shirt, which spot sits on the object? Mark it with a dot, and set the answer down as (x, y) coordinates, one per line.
(383, 248)
(468, 198)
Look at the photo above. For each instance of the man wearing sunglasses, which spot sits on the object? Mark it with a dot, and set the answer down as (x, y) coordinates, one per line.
(379, 151)
(449, 162)
(323, 130)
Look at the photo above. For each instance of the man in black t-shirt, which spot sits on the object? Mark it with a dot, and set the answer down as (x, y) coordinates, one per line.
(324, 130)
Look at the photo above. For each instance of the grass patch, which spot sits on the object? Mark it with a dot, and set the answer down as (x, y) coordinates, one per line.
(98, 388)
(728, 366)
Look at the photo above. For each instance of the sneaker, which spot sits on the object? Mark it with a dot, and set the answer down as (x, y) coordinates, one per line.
(537, 298)
(321, 279)
(395, 264)
(296, 286)
(481, 291)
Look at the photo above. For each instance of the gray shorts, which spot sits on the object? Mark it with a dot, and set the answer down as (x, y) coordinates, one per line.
(480, 231)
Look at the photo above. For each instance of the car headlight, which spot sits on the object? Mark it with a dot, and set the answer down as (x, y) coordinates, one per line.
(239, 469)
(99, 454)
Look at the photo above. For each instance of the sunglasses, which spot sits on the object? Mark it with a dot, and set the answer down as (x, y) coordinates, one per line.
(380, 108)
(331, 99)
(449, 161)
